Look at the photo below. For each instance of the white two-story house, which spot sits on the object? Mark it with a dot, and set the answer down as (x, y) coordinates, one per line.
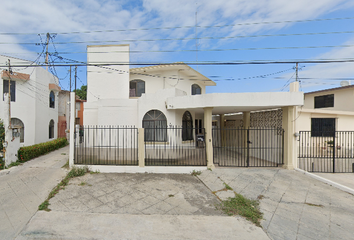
(34, 100)
(167, 95)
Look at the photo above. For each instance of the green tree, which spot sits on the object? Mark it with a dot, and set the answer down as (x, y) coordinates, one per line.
(82, 92)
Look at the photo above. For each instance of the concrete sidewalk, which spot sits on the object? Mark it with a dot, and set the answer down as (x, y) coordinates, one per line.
(295, 206)
(25, 187)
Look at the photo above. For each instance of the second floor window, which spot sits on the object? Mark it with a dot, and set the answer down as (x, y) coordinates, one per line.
(196, 90)
(12, 89)
(324, 101)
(136, 88)
(51, 100)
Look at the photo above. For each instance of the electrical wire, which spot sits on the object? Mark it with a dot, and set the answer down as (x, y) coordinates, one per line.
(182, 27)
(184, 39)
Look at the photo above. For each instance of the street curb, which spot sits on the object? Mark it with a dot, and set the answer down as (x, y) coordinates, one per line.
(329, 182)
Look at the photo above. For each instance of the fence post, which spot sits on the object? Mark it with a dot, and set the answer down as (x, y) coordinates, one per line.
(72, 129)
(141, 147)
(334, 151)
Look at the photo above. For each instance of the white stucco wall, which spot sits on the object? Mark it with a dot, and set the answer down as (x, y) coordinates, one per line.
(342, 111)
(342, 97)
(32, 102)
(107, 82)
(164, 79)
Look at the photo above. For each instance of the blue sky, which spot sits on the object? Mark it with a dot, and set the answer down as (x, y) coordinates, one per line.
(176, 20)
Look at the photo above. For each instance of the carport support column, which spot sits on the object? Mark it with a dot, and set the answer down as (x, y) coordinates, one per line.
(141, 147)
(246, 120)
(289, 139)
(208, 114)
(222, 132)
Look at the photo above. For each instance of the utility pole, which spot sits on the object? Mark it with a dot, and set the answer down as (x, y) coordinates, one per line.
(297, 72)
(46, 52)
(70, 78)
(75, 76)
(9, 95)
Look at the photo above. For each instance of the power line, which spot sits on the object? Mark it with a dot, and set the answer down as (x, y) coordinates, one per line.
(251, 62)
(181, 27)
(205, 50)
(185, 39)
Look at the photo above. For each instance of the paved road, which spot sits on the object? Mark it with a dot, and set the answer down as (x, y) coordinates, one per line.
(295, 206)
(24, 188)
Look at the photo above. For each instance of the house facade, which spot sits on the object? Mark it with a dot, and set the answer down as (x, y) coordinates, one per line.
(326, 130)
(34, 101)
(170, 95)
(327, 110)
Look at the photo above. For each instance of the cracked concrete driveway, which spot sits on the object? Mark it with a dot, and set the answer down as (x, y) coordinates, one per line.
(171, 194)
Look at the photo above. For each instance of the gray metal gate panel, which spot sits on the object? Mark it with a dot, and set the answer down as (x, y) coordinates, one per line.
(238, 147)
(326, 151)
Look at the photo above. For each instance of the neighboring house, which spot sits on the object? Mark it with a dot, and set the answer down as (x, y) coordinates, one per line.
(79, 117)
(170, 95)
(34, 100)
(63, 113)
(326, 127)
(327, 110)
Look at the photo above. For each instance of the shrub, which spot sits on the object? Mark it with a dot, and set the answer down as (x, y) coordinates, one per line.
(26, 153)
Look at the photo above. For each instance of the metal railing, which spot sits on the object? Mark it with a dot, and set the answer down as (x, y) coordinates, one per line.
(174, 146)
(106, 145)
(256, 147)
(331, 151)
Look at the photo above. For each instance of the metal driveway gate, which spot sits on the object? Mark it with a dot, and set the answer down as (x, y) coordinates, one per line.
(330, 151)
(256, 147)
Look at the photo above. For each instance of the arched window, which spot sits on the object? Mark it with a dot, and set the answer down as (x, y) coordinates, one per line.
(136, 88)
(17, 123)
(51, 129)
(196, 90)
(51, 100)
(187, 126)
(155, 125)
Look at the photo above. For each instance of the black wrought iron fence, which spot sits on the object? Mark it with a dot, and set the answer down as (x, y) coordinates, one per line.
(256, 147)
(330, 151)
(106, 145)
(174, 146)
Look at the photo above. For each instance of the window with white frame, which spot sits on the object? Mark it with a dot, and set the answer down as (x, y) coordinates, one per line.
(136, 88)
(12, 89)
(51, 129)
(17, 123)
(155, 126)
(196, 90)
(187, 126)
(51, 100)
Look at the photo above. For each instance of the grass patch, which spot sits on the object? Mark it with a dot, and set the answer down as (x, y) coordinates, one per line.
(314, 205)
(82, 184)
(66, 165)
(44, 206)
(14, 164)
(74, 172)
(95, 172)
(239, 205)
(227, 186)
(171, 195)
(196, 173)
(260, 197)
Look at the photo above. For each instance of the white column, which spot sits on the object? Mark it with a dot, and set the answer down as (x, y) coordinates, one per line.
(289, 137)
(72, 128)
(141, 147)
(208, 136)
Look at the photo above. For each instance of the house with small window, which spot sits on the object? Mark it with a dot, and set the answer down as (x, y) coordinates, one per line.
(34, 100)
(327, 110)
(326, 130)
(170, 104)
